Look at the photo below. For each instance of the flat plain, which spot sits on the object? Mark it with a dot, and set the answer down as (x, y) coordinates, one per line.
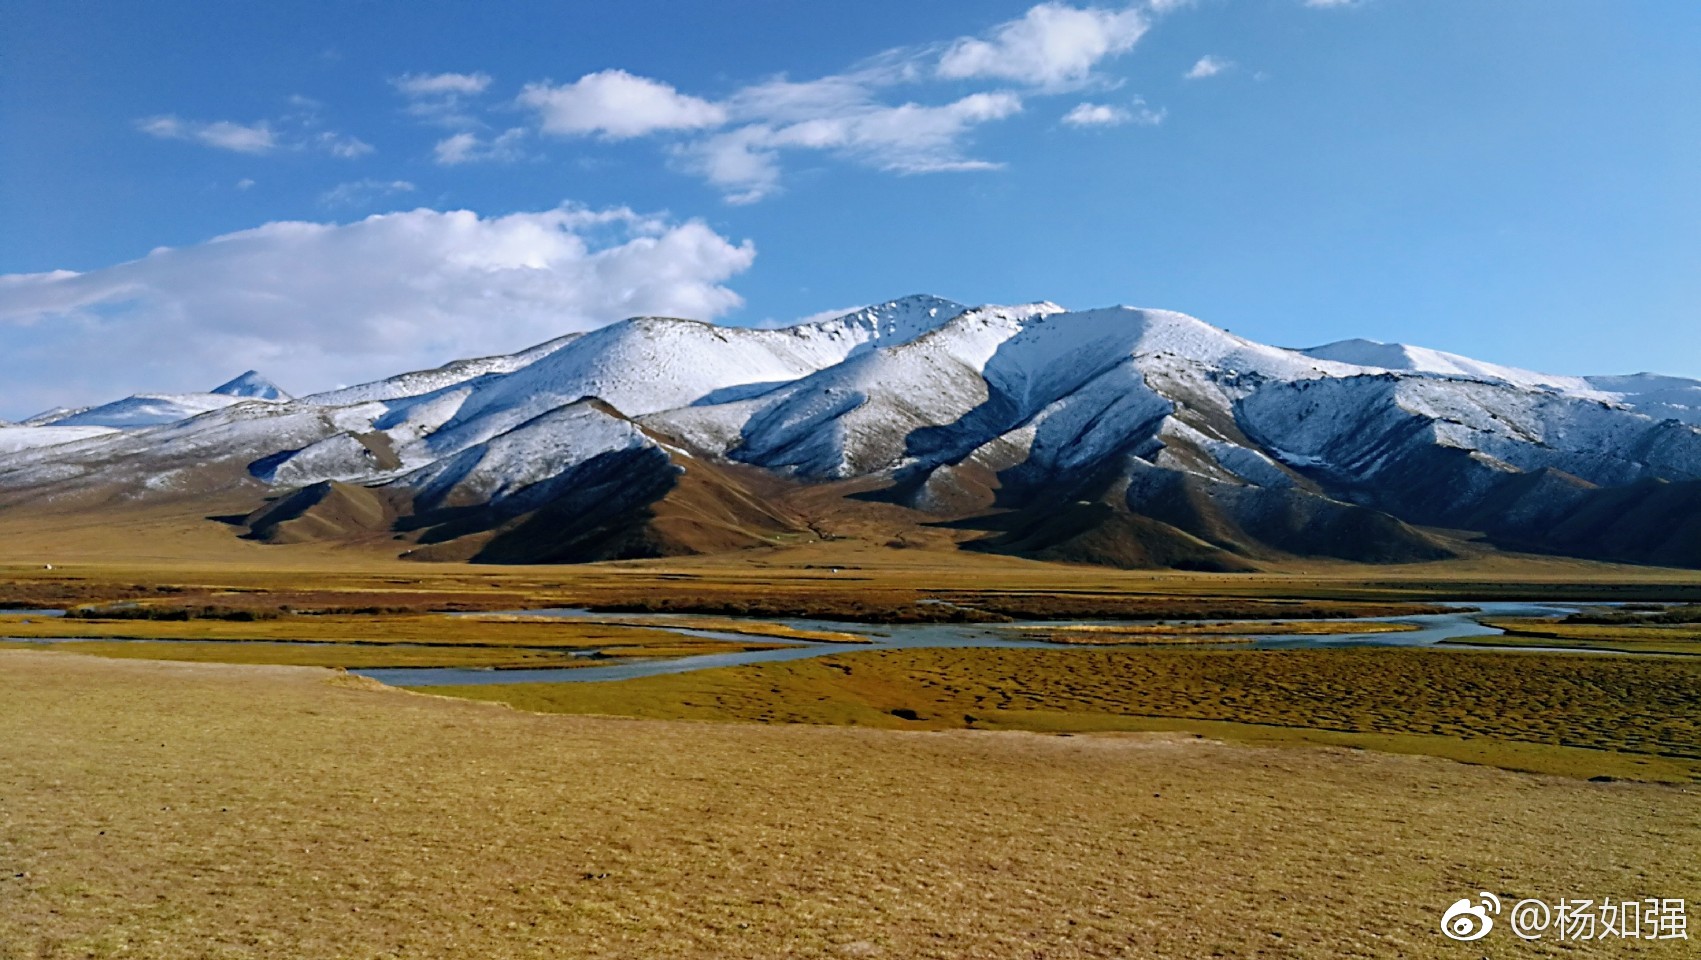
(172, 810)
(1084, 801)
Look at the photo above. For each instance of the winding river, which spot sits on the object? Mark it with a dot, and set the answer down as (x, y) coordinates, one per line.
(1431, 629)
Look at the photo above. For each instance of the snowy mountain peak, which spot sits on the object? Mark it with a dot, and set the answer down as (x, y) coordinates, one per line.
(50, 417)
(1225, 449)
(889, 323)
(251, 384)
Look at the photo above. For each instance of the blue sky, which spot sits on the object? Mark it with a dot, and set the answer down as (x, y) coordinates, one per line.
(1517, 180)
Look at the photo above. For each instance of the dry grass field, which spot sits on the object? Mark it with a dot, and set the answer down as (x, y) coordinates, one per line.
(1582, 716)
(1093, 634)
(1683, 639)
(182, 811)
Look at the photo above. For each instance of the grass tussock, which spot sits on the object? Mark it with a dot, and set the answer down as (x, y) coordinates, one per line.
(336, 655)
(686, 622)
(1623, 637)
(349, 629)
(172, 612)
(1180, 633)
(1639, 615)
(1581, 716)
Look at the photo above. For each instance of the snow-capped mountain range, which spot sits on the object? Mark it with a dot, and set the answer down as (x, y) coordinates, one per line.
(1120, 435)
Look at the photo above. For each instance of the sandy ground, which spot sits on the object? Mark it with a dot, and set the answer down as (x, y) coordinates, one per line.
(178, 810)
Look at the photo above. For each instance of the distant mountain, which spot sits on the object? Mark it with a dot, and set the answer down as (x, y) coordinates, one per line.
(156, 409)
(1121, 436)
(251, 384)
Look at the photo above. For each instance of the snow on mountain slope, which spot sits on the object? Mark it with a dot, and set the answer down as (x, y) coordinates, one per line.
(14, 437)
(986, 373)
(953, 407)
(47, 418)
(148, 410)
(650, 364)
(1663, 398)
(1357, 428)
(853, 417)
(514, 463)
(886, 324)
(155, 409)
(421, 382)
(211, 451)
(251, 384)
(1402, 357)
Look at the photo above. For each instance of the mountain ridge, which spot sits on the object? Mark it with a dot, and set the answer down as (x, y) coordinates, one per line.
(1118, 435)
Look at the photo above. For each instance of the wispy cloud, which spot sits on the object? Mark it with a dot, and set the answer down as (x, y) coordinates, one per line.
(443, 99)
(298, 128)
(221, 134)
(441, 84)
(1107, 115)
(1208, 65)
(909, 138)
(737, 140)
(358, 193)
(468, 147)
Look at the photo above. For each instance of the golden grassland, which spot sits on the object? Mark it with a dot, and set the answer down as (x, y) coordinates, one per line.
(1564, 714)
(689, 622)
(1098, 634)
(170, 810)
(361, 641)
(355, 641)
(341, 655)
(1682, 639)
(350, 628)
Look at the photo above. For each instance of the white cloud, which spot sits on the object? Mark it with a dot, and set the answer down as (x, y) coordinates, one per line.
(358, 193)
(468, 147)
(341, 145)
(743, 163)
(225, 135)
(1327, 4)
(441, 98)
(1207, 66)
(316, 304)
(1095, 115)
(440, 84)
(297, 129)
(738, 141)
(910, 138)
(1106, 115)
(246, 183)
(222, 135)
(617, 105)
(1052, 44)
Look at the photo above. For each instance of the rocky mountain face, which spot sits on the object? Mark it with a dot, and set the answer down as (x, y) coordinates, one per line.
(1122, 436)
